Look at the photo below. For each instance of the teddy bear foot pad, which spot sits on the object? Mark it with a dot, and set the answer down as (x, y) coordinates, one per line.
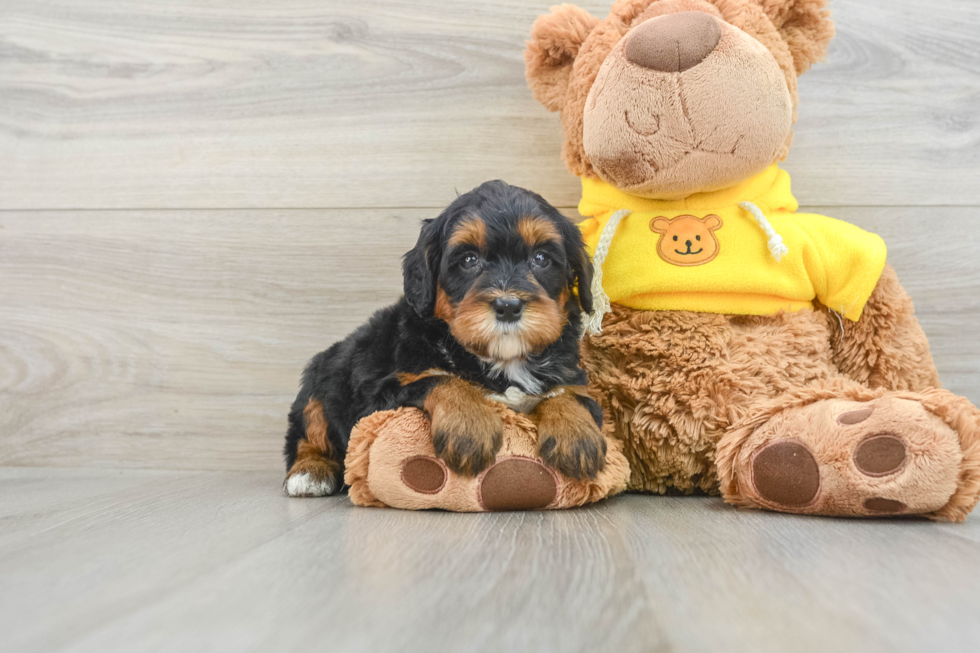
(391, 462)
(888, 456)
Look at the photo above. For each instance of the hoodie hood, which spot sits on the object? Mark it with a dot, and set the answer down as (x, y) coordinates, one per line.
(769, 190)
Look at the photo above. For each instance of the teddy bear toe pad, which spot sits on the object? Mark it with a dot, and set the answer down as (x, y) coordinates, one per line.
(786, 473)
(838, 457)
(880, 455)
(517, 484)
(424, 474)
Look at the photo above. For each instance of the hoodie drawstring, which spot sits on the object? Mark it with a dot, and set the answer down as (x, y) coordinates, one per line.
(600, 300)
(777, 247)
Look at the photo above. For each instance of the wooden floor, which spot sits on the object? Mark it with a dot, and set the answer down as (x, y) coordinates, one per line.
(97, 560)
(195, 197)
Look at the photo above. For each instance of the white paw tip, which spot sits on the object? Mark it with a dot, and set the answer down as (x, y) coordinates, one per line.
(303, 485)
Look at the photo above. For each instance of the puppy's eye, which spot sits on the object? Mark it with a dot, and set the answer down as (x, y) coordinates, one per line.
(541, 260)
(470, 262)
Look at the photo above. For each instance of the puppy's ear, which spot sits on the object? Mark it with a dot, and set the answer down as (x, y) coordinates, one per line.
(420, 269)
(578, 259)
(553, 46)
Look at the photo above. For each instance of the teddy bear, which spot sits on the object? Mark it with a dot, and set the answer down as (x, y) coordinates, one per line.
(742, 348)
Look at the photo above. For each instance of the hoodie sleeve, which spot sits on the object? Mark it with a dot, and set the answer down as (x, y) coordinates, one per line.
(844, 264)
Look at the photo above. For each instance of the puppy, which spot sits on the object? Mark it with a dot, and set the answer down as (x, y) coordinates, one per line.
(490, 313)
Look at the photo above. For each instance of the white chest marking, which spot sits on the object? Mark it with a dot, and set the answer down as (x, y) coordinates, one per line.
(519, 401)
(518, 373)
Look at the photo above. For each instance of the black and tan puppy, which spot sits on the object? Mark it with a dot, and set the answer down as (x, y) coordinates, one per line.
(490, 311)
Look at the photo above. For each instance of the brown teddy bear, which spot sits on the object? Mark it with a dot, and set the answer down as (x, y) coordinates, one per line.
(751, 350)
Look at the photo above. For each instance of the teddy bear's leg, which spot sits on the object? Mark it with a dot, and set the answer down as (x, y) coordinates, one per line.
(391, 461)
(886, 348)
(839, 448)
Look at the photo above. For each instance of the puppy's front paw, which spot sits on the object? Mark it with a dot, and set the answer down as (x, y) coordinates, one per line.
(569, 438)
(580, 456)
(468, 438)
(467, 432)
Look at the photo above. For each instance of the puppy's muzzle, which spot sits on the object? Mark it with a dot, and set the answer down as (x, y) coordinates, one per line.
(508, 308)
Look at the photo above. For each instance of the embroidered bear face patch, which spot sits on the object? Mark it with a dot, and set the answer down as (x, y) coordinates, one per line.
(687, 240)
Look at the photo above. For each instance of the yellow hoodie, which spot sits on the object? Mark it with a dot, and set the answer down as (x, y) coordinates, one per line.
(706, 253)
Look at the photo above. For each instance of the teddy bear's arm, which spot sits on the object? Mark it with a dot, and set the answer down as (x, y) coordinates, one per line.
(886, 347)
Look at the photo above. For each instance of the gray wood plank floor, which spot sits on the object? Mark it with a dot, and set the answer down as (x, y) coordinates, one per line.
(100, 560)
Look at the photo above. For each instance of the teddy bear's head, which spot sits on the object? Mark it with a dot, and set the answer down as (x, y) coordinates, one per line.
(665, 98)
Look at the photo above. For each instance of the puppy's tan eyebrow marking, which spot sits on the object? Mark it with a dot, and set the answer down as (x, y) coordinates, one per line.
(537, 231)
(471, 231)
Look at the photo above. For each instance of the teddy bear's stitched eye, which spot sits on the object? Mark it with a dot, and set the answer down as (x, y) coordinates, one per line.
(675, 239)
(698, 237)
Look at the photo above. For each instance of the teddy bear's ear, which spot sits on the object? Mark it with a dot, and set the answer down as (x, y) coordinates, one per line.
(806, 27)
(553, 46)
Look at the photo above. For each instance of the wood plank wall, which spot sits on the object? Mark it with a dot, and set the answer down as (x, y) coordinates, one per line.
(195, 197)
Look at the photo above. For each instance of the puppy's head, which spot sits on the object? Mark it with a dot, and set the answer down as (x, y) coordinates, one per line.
(499, 267)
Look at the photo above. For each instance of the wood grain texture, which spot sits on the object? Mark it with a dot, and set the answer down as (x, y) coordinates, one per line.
(390, 103)
(890, 118)
(142, 561)
(71, 561)
(175, 339)
(186, 330)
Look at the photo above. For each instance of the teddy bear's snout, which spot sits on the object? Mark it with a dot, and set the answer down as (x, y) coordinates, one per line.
(673, 43)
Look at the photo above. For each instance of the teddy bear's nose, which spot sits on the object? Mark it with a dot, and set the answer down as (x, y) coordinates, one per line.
(673, 43)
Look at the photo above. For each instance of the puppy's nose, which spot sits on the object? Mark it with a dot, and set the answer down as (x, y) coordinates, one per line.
(673, 43)
(508, 309)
